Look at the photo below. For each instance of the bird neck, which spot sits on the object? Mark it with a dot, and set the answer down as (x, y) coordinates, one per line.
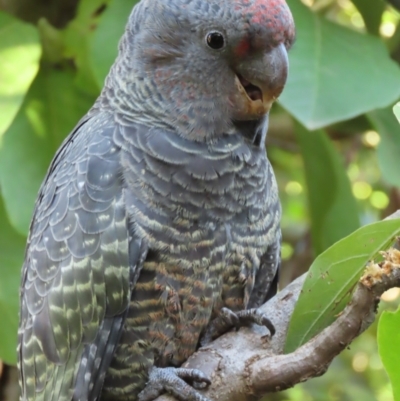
(226, 180)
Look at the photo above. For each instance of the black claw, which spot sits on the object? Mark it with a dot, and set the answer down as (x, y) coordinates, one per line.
(171, 380)
(193, 375)
(230, 318)
(256, 316)
(227, 320)
(268, 324)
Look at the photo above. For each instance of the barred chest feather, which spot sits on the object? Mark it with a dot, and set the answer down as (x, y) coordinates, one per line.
(208, 213)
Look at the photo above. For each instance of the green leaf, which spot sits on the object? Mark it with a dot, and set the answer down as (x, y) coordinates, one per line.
(396, 111)
(389, 344)
(371, 11)
(19, 62)
(388, 150)
(12, 247)
(334, 74)
(332, 277)
(104, 47)
(52, 107)
(77, 40)
(332, 207)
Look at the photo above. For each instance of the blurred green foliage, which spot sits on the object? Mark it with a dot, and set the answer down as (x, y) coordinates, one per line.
(344, 79)
(389, 340)
(396, 110)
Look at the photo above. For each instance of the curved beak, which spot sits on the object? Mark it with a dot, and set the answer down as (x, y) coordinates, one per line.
(259, 82)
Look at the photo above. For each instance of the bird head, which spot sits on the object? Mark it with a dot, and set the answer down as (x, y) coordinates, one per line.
(200, 66)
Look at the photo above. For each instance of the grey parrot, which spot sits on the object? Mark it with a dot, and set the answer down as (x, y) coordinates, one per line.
(157, 226)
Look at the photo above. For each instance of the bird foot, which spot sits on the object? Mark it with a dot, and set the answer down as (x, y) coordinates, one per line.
(173, 381)
(227, 319)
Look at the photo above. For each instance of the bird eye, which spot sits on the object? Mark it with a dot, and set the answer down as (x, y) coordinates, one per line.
(215, 40)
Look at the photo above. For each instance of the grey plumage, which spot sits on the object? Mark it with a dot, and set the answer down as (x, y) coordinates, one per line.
(159, 210)
(79, 269)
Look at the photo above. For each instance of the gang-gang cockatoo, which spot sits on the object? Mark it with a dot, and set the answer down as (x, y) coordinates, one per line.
(157, 225)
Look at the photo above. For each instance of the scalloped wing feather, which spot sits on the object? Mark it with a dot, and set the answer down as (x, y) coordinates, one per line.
(78, 274)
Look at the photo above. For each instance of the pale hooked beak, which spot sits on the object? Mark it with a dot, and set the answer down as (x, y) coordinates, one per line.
(259, 83)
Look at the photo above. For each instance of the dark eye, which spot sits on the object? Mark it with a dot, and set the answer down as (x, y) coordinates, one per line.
(215, 40)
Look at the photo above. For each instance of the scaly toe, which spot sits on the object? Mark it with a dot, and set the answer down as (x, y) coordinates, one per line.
(170, 380)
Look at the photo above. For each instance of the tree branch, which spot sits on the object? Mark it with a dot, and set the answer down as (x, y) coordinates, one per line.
(248, 364)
